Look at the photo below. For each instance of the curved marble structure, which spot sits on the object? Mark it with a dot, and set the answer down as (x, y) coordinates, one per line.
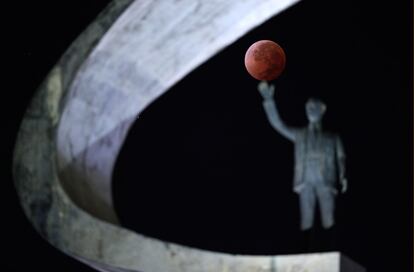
(73, 129)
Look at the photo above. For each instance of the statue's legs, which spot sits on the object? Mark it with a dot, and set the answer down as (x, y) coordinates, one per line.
(307, 199)
(326, 200)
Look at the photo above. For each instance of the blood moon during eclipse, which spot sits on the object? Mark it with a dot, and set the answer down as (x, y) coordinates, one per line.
(265, 60)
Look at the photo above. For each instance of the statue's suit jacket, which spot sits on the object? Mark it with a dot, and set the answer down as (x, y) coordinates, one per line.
(331, 150)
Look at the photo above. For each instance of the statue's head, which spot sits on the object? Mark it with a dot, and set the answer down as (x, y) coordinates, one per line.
(315, 110)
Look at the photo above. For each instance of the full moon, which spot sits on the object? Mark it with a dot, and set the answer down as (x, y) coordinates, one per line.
(265, 60)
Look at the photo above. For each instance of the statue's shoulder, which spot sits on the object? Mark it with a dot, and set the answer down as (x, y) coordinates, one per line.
(300, 132)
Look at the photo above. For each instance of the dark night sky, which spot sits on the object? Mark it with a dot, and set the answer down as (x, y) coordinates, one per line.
(212, 172)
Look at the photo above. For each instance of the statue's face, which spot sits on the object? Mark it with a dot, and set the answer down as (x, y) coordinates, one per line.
(315, 110)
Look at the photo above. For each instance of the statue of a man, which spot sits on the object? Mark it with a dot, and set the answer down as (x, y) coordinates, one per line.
(319, 159)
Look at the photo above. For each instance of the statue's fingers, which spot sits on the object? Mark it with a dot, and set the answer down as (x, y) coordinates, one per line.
(261, 86)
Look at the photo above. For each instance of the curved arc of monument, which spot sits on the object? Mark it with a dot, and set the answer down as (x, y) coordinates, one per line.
(79, 116)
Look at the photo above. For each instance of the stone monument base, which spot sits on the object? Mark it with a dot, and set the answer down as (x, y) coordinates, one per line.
(316, 262)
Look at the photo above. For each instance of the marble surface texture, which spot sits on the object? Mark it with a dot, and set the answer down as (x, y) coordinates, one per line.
(76, 123)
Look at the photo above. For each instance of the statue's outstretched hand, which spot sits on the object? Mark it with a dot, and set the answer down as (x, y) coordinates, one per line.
(266, 90)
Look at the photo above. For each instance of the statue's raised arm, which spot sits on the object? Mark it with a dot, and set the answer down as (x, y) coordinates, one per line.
(267, 92)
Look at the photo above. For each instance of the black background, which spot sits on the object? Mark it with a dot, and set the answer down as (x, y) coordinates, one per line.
(212, 172)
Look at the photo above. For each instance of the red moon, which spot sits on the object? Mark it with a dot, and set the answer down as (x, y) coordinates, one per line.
(265, 60)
